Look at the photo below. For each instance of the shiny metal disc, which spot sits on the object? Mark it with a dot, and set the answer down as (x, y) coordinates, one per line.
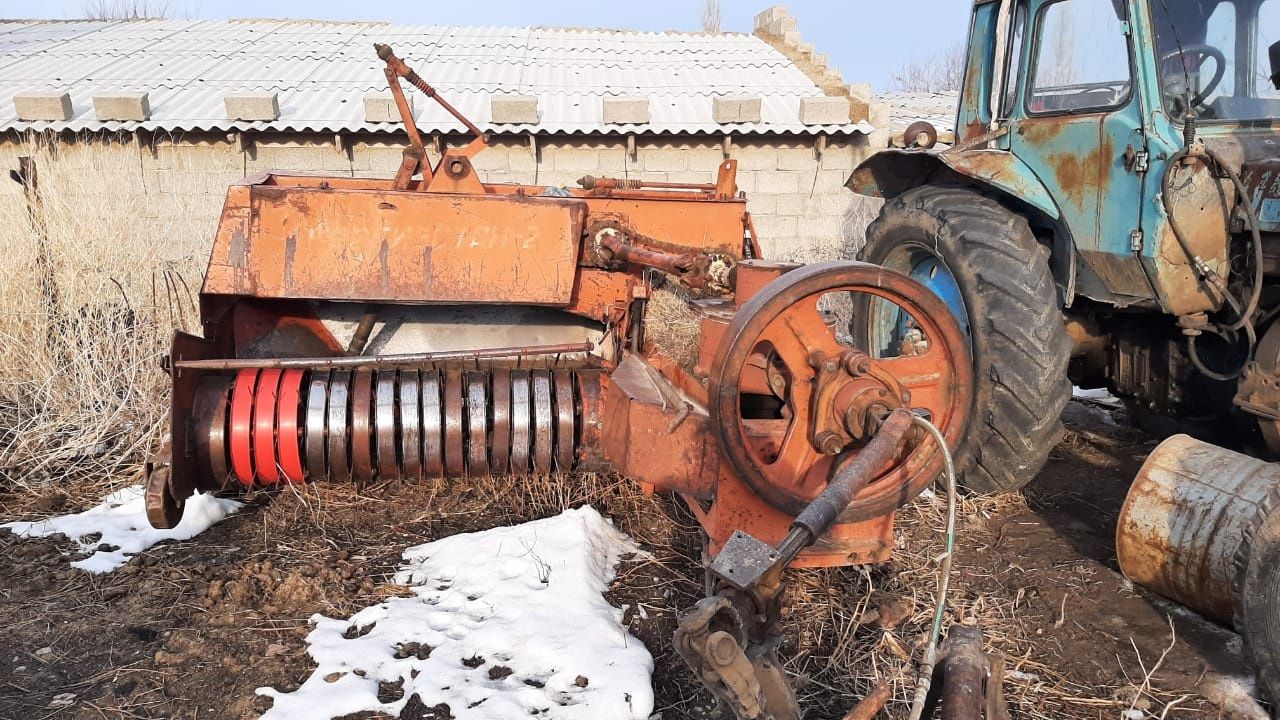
(339, 426)
(543, 421)
(477, 423)
(432, 425)
(313, 433)
(410, 424)
(384, 421)
(521, 417)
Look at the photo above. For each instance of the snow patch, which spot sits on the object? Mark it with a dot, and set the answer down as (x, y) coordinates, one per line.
(121, 520)
(1097, 395)
(504, 623)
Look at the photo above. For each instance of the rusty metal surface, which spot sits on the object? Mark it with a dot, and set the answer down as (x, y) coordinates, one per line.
(455, 463)
(1183, 520)
(964, 673)
(362, 427)
(566, 441)
(399, 246)
(368, 361)
(500, 422)
(780, 459)
(209, 413)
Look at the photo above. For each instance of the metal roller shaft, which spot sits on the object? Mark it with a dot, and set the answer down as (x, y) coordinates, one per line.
(268, 426)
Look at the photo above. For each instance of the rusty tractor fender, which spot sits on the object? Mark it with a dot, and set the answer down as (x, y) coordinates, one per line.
(893, 171)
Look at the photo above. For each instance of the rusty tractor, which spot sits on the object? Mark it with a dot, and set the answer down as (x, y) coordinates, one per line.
(434, 325)
(1109, 216)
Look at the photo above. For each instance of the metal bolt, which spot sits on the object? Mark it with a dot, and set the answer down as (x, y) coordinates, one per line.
(829, 443)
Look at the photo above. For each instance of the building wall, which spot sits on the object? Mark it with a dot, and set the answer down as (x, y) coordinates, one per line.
(133, 209)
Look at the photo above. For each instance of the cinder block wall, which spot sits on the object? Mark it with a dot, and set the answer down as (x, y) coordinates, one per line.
(174, 187)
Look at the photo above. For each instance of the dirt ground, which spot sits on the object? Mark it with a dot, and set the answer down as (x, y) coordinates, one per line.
(190, 629)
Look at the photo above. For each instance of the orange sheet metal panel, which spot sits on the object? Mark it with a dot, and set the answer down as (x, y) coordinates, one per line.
(373, 245)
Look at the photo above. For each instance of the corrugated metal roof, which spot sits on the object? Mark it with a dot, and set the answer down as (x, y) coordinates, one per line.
(937, 108)
(322, 71)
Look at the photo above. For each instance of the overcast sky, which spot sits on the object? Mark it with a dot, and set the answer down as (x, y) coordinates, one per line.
(866, 39)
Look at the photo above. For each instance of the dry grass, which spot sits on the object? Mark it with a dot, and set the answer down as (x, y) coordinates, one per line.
(81, 394)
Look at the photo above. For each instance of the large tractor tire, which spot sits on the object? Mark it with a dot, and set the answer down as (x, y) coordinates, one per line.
(985, 263)
(1258, 598)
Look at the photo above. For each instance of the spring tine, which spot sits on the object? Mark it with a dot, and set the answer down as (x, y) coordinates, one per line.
(340, 426)
(384, 419)
(242, 426)
(500, 422)
(565, 412)
(521, 412)
(288, 440)
(317, 403)
(477, 423)
(542, 421)
(362, 428)
(455, 464)
(410, 423)
(432, 425)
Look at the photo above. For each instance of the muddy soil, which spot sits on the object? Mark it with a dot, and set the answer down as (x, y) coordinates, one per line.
(190, 629)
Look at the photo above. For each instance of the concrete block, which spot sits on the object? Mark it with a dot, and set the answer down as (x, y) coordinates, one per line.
(514, 109)
(762, 204)
(820, 59)
(879, 114)
(256, 107)
(705, 159)
(572, 160)
(779, 183)
(122, 106)
(769, 15)
(796, 159)
(735, 109)
(626, 110)
(43, 105)
(805, 48)
(860, 91)
(824, 110)
(791, 38)
(381, 107)
(755, 158)
(781, 26)
(664, 160)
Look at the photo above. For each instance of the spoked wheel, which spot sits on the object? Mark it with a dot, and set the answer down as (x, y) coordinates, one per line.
(790, 394)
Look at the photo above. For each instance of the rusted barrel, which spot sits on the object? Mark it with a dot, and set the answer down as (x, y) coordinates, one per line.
(1183, 521)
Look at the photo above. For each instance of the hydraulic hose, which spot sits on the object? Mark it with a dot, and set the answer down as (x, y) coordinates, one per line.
(925, 679)
(1244, 310)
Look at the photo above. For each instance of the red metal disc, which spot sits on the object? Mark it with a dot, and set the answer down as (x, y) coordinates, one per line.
(500, 422)
(242, 426)
(288, 439)
(339, 426)
(477, 423)
(362, 427)
(566, 414)
(264, 426)
(454, 458)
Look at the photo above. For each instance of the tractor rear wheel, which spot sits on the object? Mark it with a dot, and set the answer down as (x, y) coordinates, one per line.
(1258, 598)
(984, 262)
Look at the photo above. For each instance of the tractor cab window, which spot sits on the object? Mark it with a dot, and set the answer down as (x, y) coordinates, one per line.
(1212, 55)
(1081, 58)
